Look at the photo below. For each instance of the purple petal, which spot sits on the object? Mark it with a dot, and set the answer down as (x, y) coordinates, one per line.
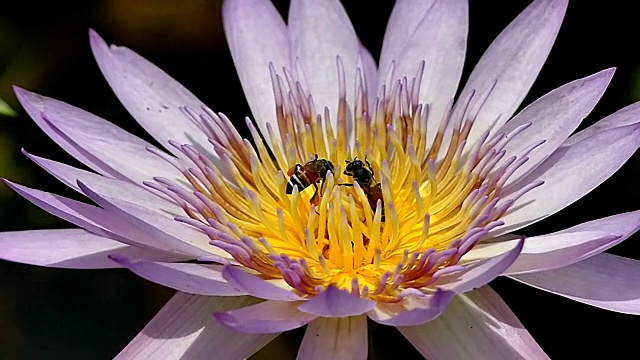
(625, 116)
(197, 279)
(336, 303)
(318, 33)
(265, 318)
(445, 24)
(481, 267)
(167, 234)
(96, 142)
(568, 174)
(256, 286)
(333, 338)
(257, 36)
(184, 329)
(606, 281)
(476, 325)
(575, 244)
(553, 118)
(60, 248)
(412, 310)
(513, 61)
(151, 96)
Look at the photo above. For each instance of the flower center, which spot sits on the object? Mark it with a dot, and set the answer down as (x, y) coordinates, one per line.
(398, 211)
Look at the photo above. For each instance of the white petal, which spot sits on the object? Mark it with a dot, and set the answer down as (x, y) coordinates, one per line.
(477, 325)
(185, 329)
(335, 338)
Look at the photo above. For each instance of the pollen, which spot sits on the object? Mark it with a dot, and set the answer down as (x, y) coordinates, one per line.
(431, 197)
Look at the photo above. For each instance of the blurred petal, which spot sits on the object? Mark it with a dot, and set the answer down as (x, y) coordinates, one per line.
(336, 303)
(257, 35)
(480, 268)
(477, 325)
(320, 31)
(553, 118)
(256, 286)
(570, 173)
(197, 279)
(151, 96)
(60, 248)
(166, 233)
(606, 281)
(184, 329)
(625, 116)
(575, 244)
(412, 310)
(445, 24)
(513, 62)
(333, 338)
(265, 318)
(100, 145)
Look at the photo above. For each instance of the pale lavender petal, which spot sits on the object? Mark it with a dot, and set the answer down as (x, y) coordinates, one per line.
(405, 17)
(61, 248)
(320, 31)
(184, 329)
(412, 310)
(370, 71)
(625, 116)
(197, 279)
(167, 234)
(151, 96)
(606, 281)
(553, 118)
(513, 62)
(265, 318)
(568, 174)
(256, 35)
(256, 286)
(100, 222)
(477, 325)
(480, 268)
(101, 145)
(333, 338)
(70, 176)
(575, 244)
(30, 103)
(433, 32)
(336, 303)
(75, 212)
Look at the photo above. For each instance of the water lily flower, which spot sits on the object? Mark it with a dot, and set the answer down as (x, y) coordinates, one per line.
(408, 238)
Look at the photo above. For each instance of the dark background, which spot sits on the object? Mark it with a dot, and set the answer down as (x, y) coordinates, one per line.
(75, 314)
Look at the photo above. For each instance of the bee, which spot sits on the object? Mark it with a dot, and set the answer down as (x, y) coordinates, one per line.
(363, 175)
(308, 174)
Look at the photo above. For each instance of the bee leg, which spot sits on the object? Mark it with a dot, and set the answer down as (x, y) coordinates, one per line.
(315, 199)
(369, 166)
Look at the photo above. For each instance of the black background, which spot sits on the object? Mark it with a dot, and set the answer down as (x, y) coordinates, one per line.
(76, 314)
